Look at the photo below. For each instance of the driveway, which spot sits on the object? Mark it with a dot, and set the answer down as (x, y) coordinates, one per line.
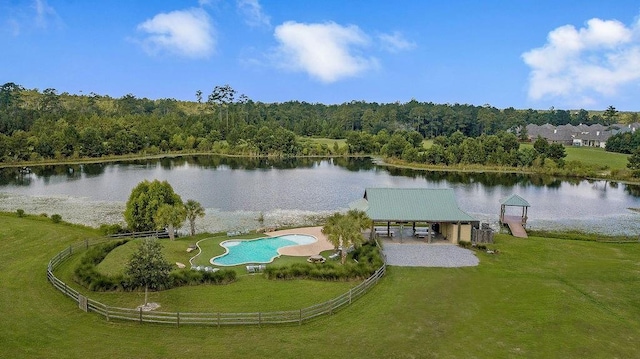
(429, 255)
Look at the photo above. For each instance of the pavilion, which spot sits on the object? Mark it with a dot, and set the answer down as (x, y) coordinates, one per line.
(434, 208)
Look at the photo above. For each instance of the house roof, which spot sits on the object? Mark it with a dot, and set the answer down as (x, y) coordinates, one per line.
(515, 200)
(412, 205)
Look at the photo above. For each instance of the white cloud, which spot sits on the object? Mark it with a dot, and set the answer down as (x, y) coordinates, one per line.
(188, 33)
(37, 14)
(44, 13)
(578, 65)
(327, 51)
(395, 42)
(253, 14)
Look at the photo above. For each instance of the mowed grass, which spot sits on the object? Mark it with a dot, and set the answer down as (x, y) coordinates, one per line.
(593, 156)
(537, 298)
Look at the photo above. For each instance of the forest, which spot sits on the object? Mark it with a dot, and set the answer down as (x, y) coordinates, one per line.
(46, 125)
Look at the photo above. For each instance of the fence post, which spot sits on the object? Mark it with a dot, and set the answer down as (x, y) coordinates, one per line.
(300, 323)
(178, 319)
(259, 319)
(140, 315)
(218, 319)
(106, 309)
(86, 243)
(350, 290)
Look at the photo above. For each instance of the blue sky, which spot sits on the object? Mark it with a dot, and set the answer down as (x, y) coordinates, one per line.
(511, 53)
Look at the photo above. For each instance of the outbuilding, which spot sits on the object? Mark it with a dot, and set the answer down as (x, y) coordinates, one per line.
(433, 211)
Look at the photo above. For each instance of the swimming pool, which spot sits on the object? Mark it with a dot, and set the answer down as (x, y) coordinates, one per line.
(261, 250)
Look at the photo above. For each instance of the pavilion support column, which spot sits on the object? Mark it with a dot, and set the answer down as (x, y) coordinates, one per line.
(373, 231)
(429, 231)
(458, 236)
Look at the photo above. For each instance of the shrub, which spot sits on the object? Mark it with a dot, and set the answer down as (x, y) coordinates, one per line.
(185, 277)
(20, 212)
(464, 244)
(108, 229)
(368, 258)
(56, 218)
(87, 275)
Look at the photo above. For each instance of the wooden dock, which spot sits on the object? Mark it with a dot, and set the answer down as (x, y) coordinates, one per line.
(515, 226)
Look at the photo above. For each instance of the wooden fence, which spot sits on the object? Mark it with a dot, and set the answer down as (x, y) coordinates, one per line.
(207, 319)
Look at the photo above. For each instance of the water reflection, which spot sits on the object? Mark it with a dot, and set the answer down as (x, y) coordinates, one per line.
(270, 185)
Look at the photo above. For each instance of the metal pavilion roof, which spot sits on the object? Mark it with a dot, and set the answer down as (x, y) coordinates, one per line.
(515, 200)
(412, 205)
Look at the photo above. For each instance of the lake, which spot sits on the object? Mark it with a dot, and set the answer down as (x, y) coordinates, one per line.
(237, 191)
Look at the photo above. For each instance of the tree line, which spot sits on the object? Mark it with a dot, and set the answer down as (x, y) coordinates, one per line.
(37, 125)
(502, 149)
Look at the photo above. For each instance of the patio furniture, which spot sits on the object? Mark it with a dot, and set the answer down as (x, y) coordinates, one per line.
(316, 258)
(421, 232)
(256, 268)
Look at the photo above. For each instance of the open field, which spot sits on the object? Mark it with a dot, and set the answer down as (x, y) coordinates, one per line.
(537, 298)
(327, 141)
(593, 156)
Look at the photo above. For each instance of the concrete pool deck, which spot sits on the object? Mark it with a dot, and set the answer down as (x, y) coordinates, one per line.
(305, 250)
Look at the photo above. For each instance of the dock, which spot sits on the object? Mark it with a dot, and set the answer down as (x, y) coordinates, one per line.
(515, 226)
(516, 223)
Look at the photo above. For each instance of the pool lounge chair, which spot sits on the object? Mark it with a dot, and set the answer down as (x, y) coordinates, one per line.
(256, 268)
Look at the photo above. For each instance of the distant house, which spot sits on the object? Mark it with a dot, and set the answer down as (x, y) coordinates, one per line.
(434, 208)
(581, 135)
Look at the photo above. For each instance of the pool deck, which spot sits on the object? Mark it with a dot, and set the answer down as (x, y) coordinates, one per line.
(322, 244)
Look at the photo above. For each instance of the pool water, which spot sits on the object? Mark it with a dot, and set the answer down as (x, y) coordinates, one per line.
(262, 250)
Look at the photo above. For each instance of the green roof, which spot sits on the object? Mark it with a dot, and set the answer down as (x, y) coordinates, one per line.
(515, 200)
(412, 205)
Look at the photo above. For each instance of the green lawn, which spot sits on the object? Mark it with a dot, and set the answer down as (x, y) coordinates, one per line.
(537, 298)
(593, 156)
(328, 141)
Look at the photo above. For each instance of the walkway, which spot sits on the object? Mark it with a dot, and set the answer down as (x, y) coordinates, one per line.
(305, 250)
(515, 225)
(428, 255)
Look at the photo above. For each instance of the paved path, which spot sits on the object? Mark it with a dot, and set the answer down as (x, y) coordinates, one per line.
(428, 255)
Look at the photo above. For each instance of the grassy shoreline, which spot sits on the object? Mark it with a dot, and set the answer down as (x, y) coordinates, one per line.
(490, 169)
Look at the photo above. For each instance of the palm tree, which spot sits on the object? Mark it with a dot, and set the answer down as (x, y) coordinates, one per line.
(194, 209)
(345, 230)
(360, 218)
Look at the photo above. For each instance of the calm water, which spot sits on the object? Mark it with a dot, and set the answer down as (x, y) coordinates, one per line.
(236, 191)
(262, 250)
